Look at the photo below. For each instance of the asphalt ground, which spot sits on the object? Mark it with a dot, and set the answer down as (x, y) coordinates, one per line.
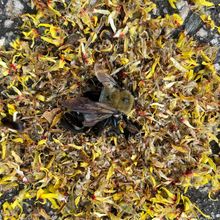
(10, 11)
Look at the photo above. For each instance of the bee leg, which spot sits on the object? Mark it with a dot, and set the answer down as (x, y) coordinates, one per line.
(99, 127)
(115, 122)
(114, 129)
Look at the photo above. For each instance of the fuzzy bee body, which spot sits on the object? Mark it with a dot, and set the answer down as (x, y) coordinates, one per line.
(113, 105)
(119, 99)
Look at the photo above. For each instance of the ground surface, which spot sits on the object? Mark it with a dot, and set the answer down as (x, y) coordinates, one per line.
(203, 31)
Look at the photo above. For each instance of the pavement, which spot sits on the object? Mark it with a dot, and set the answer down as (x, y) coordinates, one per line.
(10, 10)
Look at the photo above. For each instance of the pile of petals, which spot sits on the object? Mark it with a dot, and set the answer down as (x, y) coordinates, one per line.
(176, 88)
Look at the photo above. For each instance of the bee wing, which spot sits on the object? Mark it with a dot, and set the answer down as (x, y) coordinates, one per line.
(85, 105)
(93, 112)
(92, 119)
(103, 76)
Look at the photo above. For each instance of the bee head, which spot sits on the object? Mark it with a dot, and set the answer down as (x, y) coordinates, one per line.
(122, 100)
(126, 101)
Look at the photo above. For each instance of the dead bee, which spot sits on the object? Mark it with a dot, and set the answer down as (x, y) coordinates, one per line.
(112, 107)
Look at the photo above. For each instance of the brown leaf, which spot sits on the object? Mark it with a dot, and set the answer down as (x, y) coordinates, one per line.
(49, 115)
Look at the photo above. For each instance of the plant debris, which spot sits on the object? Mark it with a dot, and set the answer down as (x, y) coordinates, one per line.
(176, 90)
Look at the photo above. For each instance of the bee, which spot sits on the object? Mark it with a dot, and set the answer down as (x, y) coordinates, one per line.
(112, 106)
